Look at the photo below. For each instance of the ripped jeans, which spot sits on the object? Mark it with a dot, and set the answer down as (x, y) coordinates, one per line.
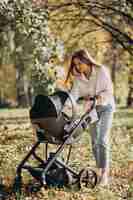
(100, 132)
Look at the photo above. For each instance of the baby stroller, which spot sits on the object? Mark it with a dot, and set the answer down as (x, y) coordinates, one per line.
(55, 127)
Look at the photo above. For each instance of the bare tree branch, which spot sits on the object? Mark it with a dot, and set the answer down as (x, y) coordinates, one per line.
(116, 35)
(53, 7)
(90, 7)
(102, 6)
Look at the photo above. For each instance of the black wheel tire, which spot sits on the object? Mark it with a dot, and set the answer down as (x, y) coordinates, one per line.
(87, 178)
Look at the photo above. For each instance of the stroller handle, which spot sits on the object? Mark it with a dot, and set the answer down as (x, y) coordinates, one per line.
(83, 121)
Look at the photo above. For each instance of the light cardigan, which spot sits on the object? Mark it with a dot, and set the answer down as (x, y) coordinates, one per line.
(99, 83)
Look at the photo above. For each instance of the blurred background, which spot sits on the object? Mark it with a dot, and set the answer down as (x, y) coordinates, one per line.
(37, 37)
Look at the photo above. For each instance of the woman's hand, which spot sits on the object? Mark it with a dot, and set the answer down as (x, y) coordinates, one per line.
(89, 102)
(98, 100)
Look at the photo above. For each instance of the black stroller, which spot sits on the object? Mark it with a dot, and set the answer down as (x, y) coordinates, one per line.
(55, 127)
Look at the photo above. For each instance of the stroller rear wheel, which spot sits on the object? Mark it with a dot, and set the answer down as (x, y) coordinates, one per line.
(87, 178)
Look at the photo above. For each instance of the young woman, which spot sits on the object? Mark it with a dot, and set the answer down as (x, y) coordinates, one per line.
(91, 79)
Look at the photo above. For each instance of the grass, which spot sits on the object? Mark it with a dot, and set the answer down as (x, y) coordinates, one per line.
(17, 138)
(124, 118)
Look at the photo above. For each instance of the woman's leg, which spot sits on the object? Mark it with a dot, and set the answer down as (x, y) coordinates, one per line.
(100, 139)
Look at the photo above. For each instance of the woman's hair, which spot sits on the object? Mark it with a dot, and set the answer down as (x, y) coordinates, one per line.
(84, 57)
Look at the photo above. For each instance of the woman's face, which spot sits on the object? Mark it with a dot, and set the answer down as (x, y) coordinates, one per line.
(79, 67)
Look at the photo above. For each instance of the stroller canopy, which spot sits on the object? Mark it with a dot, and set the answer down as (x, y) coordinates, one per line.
(48, 106)
(47, 112)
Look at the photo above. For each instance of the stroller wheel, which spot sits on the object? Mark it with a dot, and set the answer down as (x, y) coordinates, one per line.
(88, 178)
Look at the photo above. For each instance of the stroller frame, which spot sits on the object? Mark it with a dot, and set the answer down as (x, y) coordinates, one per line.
(82, 177)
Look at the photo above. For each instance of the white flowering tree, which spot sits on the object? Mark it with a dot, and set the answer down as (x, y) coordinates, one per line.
(38, 45)
(34, 46)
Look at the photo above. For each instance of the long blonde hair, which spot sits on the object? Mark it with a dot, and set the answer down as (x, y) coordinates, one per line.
(85, 57)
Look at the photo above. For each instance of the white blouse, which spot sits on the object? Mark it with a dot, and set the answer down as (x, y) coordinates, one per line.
(99, 83)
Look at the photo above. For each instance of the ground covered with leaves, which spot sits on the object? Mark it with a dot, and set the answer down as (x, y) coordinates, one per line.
(17, 138)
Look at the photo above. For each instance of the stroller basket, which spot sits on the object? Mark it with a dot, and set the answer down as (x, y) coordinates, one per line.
(47, 114)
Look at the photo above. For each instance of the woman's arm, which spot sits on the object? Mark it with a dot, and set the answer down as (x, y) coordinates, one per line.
(104, 87)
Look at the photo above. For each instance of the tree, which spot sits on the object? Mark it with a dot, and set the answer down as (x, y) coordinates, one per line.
(34, 46)
(130, 84)
(97, 15)
(81, 23)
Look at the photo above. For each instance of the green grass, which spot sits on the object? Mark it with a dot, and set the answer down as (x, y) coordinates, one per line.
(17, 138)
(124, 117)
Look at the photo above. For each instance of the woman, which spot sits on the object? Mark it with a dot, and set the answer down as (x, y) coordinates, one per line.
(91, 79)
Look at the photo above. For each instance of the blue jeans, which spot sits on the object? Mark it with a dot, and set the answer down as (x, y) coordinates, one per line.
(100, 135)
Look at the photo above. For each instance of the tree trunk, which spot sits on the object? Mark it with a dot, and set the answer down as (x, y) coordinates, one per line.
(113, 72)
(130, 91)
(22, 87)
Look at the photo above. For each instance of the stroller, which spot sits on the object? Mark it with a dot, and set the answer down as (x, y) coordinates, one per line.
(55, 127)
